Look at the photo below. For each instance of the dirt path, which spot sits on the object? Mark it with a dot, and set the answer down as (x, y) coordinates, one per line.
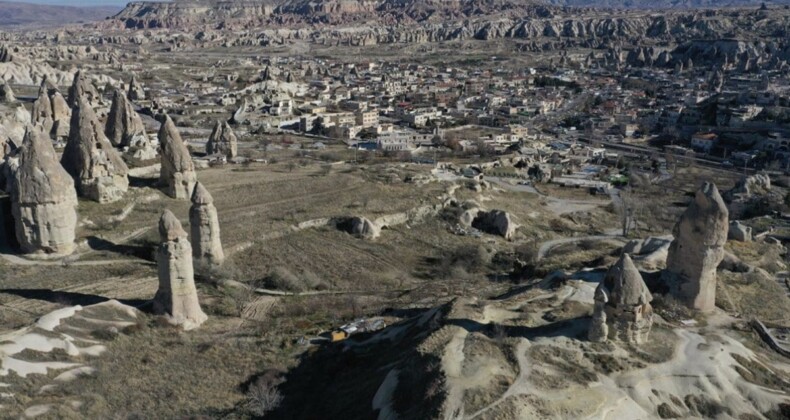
(547, 246)
(558, 206)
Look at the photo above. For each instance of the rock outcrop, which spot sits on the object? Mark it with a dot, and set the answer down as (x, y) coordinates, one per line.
(97, 168)
(749, 185)
(125, 129)
(650, 253)
(697, 249)
(241, 115)
(739, 232)
(44, 201)
(6, 94)
(14, 119)
(204, 226)
(42, 111)
(51, 111)
(136, 92)
(61, 115)
(81, 87)
(177, 296)
(361, 227)
(622, 305)
(222, 140)
(497, 222)
(177, 174)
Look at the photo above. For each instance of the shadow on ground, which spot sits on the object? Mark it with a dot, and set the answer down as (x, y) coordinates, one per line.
(138, 251)
(71, 298)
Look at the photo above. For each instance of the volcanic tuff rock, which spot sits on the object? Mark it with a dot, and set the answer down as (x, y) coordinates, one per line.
(204, 226)
(14, 119)
(177, 174)
(44, 200)
(622, 305)
(136, 92)
(177, 296)
(251, 14)
(548, 28)
(6, 56)
(51, 111)
(124, 126)
(698, 248)
(241, 116)
(222, 140)
(42, 111)
(81, 87)
(497, 222)
(6, 94)
(97, 168)
(360, 227)
(753, 184)
(739, 232)
(659, 4)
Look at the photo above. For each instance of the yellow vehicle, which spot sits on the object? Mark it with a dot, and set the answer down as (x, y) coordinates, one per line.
(338, 335)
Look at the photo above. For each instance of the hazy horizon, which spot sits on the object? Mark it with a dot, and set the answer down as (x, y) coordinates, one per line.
(79, 3)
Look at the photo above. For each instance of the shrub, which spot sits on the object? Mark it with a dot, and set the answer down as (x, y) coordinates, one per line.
(283, 279)
(213, 274)
(465, 260)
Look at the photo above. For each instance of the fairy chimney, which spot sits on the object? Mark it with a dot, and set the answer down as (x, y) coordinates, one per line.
(177, 296)
(622, 305)
(44, 201)
(204, 226)
(222, 140)
(97, 168)
(177, 174)
(136, 92)
(698, 248)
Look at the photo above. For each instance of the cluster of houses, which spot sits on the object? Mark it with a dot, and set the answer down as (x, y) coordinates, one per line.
(399, 107)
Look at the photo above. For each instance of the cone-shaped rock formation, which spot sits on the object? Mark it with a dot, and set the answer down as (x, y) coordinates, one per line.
(44, 200)
(204, 225)
(177, 175)
(177, 296)
(97, 168)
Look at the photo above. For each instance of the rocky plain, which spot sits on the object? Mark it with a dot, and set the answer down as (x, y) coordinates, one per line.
(396, 210)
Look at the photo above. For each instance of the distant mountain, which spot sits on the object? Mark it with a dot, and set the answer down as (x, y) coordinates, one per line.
(254, 13)
(14, 14)
(664, 4)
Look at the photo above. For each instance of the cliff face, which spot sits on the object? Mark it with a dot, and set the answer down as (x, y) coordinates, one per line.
(182, 14)
(388, 21)
(664, 4)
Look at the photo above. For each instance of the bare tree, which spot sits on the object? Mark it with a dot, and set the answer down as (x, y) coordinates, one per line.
(326, 169)
(626, 210)
(263, 397)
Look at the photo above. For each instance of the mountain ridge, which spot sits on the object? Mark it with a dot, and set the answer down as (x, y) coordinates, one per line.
(18, 14)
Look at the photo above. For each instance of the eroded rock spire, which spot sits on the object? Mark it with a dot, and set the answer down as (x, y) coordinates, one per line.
(177, 296)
